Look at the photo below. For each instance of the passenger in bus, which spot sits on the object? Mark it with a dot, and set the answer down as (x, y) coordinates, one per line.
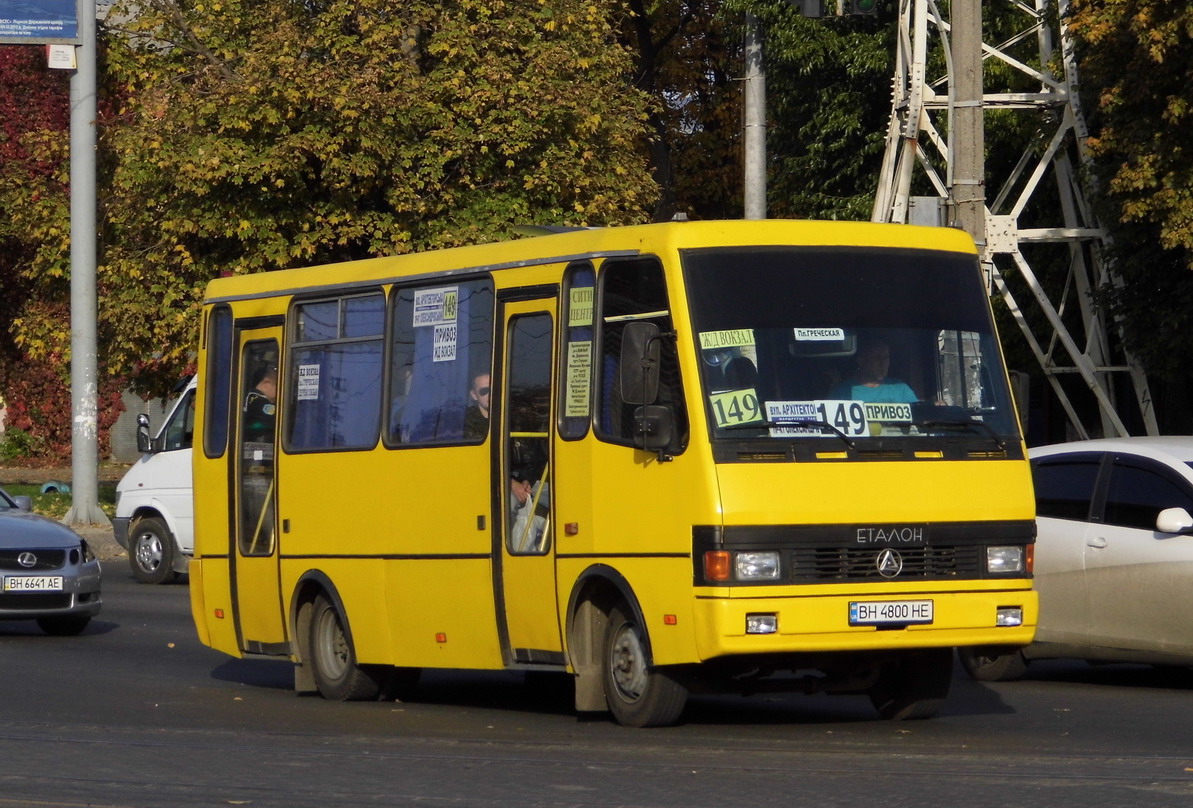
(523, 475)
(530, 492)
(870, 382)
(260, 406)
(476, 417)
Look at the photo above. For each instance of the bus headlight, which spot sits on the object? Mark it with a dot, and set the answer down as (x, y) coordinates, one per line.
(1003, 560)
(762, 623)
(756, 566)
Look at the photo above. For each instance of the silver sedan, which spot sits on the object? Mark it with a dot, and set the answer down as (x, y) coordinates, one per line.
(1113, 556)
(47, 571)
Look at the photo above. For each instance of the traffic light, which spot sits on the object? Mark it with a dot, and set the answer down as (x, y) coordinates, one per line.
(863, 6)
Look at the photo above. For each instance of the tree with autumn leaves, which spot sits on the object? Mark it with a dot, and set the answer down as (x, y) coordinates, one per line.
(241, 136)
(34, 259)
(262, 134)
(1136, 60)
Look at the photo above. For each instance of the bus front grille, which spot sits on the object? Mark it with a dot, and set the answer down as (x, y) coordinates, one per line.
(869, 563)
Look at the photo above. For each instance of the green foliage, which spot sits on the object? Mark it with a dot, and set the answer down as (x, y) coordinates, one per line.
(254, 136)
(828, 96)
(17, 444)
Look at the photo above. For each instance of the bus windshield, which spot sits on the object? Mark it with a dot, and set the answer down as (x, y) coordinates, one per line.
(847, 345)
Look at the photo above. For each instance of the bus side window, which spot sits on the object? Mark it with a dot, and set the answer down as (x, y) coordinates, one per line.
(218, 381)
(442, 339)
(635, 291)
(576, 387)
(335, 394)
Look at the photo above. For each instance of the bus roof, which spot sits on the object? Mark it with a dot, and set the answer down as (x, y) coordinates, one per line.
(592, 243)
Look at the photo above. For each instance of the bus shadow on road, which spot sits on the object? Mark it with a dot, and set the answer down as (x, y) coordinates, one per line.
(275, 675)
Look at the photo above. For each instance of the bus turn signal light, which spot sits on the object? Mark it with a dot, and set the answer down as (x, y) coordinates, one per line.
(718, 565)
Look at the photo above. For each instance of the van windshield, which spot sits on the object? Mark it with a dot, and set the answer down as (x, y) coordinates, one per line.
(847, 346)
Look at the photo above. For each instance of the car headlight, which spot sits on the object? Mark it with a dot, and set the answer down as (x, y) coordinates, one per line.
(756, 566)
(85, 549)
(1003, 560)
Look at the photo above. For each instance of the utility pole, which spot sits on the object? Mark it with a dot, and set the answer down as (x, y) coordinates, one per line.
(754, 116)
(969, 143)
(84, 387)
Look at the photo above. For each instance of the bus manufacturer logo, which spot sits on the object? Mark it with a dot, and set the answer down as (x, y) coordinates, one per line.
(889, 563)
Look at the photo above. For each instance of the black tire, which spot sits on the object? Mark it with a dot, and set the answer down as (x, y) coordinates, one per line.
(151, 551)
(65, 626)
(637, 694)
(988, 665)
(333, 659)
(914, 685)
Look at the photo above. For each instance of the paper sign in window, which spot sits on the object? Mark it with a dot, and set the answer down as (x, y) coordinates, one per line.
(579, 379)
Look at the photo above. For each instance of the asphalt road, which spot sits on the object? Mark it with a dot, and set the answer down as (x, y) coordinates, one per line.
(135, 712)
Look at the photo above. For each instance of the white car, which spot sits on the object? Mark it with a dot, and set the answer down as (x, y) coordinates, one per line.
(1113, 556)
(155, 518)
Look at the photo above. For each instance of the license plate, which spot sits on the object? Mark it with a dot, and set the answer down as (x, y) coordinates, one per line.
(39, 583)
(889, 612)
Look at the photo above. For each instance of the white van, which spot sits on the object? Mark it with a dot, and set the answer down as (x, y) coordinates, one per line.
(155, 515)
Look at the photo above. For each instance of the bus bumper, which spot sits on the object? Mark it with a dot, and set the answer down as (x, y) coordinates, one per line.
(819, 624)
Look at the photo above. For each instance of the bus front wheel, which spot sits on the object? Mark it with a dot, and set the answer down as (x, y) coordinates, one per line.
(914, 685)
(333, 659)
(637, 695)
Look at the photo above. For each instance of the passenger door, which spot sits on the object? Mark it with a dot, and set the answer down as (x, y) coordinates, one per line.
(1140, 581)
(254, 552)
(526, 595)
(1065, 489)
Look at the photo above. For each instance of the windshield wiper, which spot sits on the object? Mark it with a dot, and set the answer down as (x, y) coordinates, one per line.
(977, 426)
(793, 424)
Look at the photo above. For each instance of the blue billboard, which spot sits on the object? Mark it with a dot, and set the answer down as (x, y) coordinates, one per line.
(41, 22)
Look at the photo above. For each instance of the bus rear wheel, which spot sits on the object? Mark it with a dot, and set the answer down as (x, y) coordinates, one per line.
(637, 695)
(914, 685)
(333, 659)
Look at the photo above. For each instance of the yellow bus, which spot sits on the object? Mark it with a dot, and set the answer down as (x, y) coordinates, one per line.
(674, 458)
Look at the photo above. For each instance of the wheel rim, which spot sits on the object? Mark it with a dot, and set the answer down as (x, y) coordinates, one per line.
(331, 646)
(149, 552)
(627, 663)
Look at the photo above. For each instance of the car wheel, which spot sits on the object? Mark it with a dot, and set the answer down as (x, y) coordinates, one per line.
(333, 659)
(151, 551)
(637, 695)
(988, 665)
(914, 685)
(66, 626)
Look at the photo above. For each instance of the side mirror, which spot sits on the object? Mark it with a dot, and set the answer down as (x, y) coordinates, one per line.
(640, 363)
(144, 443)
(1174, 520)
(653, 427)
(23, 503)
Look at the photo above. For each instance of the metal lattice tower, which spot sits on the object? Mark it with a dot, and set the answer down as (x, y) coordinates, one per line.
(1066, 328)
